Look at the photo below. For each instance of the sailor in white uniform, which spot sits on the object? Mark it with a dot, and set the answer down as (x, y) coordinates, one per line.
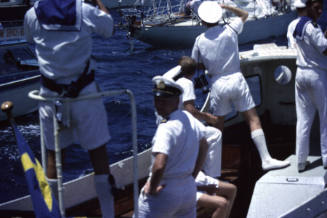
(217, 51)
(179, 149)
(62, 33)
(300, 6)
(310, 83)
(211, 192)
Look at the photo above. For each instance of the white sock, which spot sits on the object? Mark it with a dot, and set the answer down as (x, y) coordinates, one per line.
(103, 189)
(267, 162)
(53, 183)
(259, 140)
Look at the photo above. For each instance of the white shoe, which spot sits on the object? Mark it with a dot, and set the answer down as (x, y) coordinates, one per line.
(272, 164)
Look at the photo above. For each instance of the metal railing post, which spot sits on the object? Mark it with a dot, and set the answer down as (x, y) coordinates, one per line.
(135, 151)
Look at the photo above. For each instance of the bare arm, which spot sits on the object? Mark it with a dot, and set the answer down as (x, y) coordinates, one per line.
(203, 149)
(101, 6)
(239, 12)
(207, 117)
(158, 168)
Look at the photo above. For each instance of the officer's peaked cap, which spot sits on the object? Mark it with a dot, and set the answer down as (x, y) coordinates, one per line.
(166, 87)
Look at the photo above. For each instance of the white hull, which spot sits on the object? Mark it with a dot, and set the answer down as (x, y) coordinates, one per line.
(183, 34)
(122, 171)
(17, 92)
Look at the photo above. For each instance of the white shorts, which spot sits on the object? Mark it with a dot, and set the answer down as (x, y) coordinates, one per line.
(229, 90)
(203, 179)
(88, 121)
(176, 199)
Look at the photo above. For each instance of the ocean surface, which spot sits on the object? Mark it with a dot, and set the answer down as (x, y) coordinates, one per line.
(118, 68)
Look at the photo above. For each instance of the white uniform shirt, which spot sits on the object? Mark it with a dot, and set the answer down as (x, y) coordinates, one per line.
(217, 48)
(188, 91)
(63, 54)
(179, 138)
(290, 31)
(311, 47)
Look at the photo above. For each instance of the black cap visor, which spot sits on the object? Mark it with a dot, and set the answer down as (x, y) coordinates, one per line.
(166, 92)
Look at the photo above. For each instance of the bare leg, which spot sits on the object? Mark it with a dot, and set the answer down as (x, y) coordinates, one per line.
(100, 160)
(100, 163)
(259, 140)
(229, 191)
(52, 171)
(252, 119)
(51, 163)
(221, 199)
(216, 202)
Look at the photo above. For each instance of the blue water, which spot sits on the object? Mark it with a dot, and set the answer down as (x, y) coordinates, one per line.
(118, 68)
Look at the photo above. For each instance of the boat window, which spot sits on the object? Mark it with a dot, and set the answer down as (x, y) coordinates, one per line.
(282, 75)
(17, 59)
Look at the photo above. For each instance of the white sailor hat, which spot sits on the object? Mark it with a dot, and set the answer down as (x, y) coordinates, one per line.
(300, 3)
(210, 11)
(166, 87)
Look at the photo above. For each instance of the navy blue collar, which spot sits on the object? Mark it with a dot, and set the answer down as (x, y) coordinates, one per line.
(59, 14)
(300, 26)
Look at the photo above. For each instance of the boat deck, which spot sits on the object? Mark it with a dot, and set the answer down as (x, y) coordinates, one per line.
(240, 166)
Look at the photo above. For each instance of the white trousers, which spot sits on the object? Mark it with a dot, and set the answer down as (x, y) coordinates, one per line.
(310, 96)
(212, 164)
(176, 199)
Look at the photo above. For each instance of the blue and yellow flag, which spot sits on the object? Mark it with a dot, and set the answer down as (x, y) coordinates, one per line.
(44, 202)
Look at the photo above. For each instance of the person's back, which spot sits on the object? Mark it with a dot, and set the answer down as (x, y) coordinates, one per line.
(184, 132)
(217, 48)
(301, 11)
(64, 53)
(311, 47)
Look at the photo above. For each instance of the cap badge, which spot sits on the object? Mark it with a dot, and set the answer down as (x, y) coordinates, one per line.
(161, 85)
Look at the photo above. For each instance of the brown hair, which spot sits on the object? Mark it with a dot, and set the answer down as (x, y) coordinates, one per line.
(188, 65)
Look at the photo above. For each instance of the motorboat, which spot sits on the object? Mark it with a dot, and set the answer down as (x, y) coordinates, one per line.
(270, 73)
(169, 27)
(19, 72)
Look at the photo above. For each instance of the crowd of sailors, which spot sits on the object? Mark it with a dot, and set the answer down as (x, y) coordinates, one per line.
(186, 147)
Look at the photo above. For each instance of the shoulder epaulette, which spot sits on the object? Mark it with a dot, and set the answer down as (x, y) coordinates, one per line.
(164, 120)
